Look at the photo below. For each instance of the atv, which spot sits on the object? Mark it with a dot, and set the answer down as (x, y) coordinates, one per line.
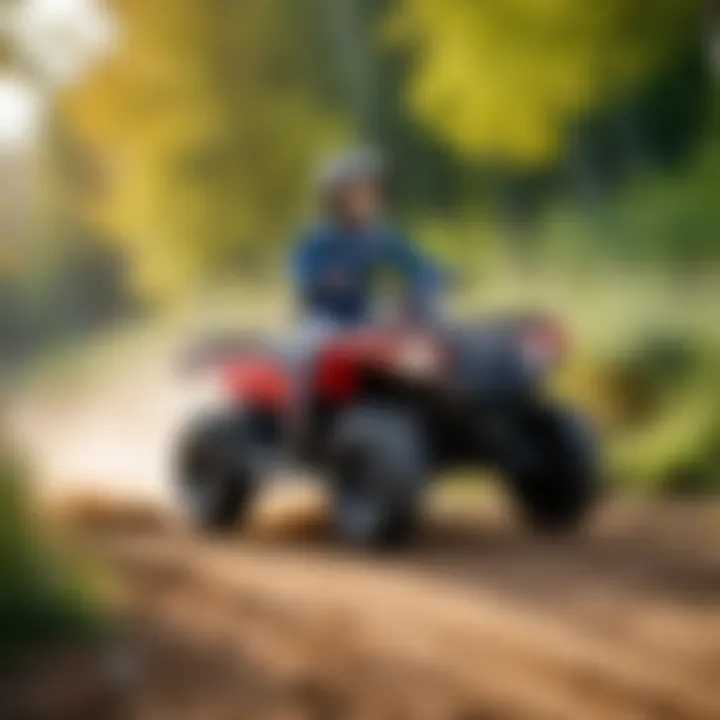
(387, 409)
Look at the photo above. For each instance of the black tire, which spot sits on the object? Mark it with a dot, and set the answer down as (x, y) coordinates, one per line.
(555, 474)
(378, 472)
(213, 473)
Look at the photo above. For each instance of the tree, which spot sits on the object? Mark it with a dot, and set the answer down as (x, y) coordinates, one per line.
(198, 132)
(506, 80)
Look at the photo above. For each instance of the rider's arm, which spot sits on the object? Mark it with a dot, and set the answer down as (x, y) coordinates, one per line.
(425, 277)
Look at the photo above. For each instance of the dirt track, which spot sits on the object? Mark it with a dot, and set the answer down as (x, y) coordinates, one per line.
(477, 621)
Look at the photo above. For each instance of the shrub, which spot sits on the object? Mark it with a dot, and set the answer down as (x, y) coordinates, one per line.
(38, 603)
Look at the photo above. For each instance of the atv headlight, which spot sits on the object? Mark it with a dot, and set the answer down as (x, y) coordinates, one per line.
(418, 357)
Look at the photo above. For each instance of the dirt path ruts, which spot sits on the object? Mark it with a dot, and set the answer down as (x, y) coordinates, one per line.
(477, 621)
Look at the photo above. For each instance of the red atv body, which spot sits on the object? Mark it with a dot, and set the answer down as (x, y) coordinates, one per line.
(385, 410)
(262, 379)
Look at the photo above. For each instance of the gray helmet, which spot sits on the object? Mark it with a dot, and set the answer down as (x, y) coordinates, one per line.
(349, 167)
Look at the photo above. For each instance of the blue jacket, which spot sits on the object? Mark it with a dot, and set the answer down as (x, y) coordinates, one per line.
(332, 268)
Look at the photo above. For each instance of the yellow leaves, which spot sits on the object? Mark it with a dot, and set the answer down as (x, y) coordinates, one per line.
(503, 79)
(204, 125)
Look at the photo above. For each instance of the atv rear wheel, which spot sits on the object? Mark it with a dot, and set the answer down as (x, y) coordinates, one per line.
(554, 474)
(378, 470)
(213, 473)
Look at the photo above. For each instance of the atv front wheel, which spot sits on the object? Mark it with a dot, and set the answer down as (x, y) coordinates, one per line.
(213, 472)
(554, 472)
(378, 470)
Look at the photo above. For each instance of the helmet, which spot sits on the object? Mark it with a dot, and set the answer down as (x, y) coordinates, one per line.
(349, 167)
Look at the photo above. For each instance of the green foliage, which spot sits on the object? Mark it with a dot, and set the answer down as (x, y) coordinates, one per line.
(674, 218)
(38, 603)
(655, 395)
(666, 218)
(200, 129)
(505, 80)
(676, 450)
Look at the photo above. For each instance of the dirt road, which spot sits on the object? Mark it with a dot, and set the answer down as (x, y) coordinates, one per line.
(477, 621)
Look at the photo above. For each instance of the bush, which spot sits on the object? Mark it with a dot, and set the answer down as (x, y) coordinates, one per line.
(656, 398)
(38, 602)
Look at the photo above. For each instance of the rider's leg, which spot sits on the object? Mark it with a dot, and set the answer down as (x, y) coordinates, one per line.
(310, 335)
